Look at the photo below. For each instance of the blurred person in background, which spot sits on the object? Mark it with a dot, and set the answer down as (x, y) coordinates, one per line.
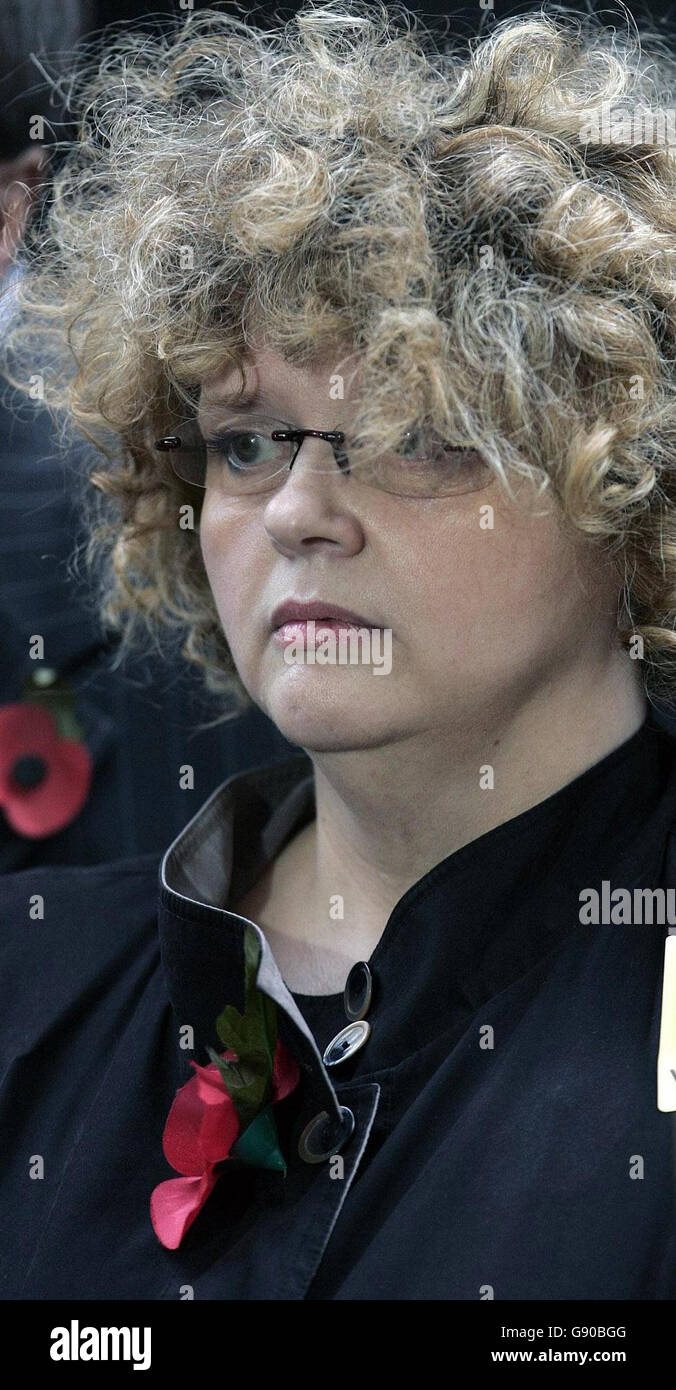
(97, 760)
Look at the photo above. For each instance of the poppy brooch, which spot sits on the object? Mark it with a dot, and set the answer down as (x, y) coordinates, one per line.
(225, 1111)
(45, 769)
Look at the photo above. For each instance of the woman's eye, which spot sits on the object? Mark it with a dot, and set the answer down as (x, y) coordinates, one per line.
(419, 444)
(239, 449)
(458, 451)
(412, 444)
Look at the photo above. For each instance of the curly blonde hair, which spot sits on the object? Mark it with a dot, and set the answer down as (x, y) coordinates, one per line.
(491, 227)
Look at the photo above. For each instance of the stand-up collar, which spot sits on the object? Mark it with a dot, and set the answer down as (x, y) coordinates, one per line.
(477, 921)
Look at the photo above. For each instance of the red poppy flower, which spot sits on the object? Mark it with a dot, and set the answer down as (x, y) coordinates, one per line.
(201, 1128)
(44, 779)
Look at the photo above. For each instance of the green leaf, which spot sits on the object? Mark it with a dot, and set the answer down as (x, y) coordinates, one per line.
(254, 1031)
(236, 1075)
(59, 701)
(233, 1029)
(252, 1035)
(258, 1146)
(252, 955)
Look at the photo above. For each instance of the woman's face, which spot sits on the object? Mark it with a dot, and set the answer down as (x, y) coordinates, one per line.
(483, 620)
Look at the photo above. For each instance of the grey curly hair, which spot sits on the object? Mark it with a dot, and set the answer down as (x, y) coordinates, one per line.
(496, 250)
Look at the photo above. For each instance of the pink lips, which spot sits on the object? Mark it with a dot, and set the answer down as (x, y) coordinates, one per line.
(298, 631)
(301, 610)
(290, 620)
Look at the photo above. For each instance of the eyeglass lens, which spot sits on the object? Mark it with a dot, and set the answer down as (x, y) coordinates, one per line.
(241, 456)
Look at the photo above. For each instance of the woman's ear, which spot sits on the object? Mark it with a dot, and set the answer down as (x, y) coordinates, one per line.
(19, 179)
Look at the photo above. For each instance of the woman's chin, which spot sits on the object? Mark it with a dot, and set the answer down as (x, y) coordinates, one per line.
(328, 711)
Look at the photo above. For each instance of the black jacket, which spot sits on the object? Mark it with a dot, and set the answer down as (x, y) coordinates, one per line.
(499, 1131)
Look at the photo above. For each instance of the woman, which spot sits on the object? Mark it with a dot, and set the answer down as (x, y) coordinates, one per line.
(377, 336)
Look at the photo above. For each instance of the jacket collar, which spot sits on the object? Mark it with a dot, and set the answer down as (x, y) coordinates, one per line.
(214, 860)
(470, 927)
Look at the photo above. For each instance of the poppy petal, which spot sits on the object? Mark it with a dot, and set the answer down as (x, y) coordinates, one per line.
(197, 1132)
(25, 727)
(211, 1087)
(174, 1204)
(40, 811)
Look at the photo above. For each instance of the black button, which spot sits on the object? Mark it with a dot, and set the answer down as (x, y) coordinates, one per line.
(358, 991)
(346, 1042)
(324, 1136)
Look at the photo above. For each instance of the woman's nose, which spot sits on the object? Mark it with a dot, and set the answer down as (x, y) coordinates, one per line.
(314, 506)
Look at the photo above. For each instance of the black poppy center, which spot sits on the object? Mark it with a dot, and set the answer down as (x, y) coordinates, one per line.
(29, 771)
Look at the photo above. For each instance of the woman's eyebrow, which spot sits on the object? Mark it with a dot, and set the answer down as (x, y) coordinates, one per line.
(257, 400)
(229, 399)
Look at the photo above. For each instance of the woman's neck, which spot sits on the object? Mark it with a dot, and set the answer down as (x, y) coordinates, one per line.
(386, 815)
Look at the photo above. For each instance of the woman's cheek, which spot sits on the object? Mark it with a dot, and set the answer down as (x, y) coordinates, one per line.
(236, 575)
(220, 563)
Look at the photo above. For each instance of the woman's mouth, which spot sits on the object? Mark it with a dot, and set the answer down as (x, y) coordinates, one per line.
(297, 620)
(302, 630)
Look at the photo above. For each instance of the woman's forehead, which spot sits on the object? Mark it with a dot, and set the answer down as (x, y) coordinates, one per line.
(266, 380)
